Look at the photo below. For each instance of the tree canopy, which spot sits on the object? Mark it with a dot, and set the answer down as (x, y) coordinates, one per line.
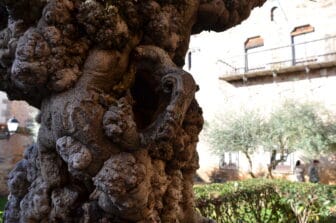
(294, 126)
(238, 132)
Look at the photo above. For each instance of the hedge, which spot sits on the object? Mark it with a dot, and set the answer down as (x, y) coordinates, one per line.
(3, 201)
(267, 201)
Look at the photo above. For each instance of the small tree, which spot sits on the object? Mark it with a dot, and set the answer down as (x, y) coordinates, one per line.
(297, 126)
(239, 132)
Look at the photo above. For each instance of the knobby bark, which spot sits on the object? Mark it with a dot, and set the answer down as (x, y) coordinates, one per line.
(119, 120)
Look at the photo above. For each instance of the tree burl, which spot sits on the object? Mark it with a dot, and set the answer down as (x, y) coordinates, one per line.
(119, 119)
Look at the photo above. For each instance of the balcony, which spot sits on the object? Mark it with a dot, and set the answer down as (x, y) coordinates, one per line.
(294, 59)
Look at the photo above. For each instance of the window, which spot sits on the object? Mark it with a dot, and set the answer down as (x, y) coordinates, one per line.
(253, 59)
(229, 160)
(189, 60)
(303, 48)
(273, 12)
(254, 42)
(3, 131)
(302, 30)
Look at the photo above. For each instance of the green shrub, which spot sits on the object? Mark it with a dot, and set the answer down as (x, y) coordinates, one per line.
(245, 201)
(309, 202)
(3, 202)
(266, 201)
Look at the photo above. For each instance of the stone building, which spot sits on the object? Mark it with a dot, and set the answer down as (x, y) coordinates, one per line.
(12, 147)
(3, 107)
(285, 50)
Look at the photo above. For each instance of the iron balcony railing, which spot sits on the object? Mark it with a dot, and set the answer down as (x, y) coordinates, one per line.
(306, 52)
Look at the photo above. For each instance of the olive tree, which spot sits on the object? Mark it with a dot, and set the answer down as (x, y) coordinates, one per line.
(237, 132)
(119, 120)
(298, 126)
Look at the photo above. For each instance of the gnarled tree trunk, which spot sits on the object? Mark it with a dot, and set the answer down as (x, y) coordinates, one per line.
(119, 121)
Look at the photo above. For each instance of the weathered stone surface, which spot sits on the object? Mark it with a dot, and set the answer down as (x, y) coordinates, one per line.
(119, 120)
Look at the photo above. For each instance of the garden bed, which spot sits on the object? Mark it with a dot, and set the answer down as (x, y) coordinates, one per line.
(267, 201)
